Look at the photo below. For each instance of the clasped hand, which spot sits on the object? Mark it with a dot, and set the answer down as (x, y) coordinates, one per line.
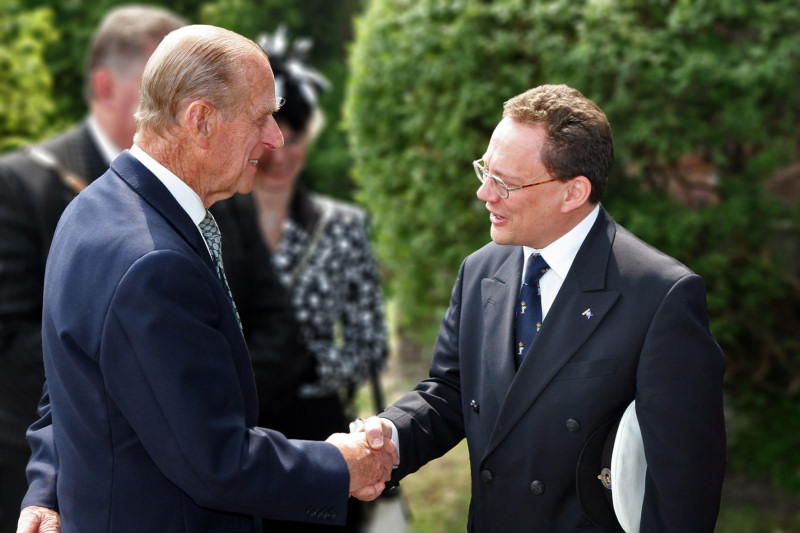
(370, 455)
(36, 519)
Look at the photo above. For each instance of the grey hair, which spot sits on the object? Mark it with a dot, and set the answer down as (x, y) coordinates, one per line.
(194, 62)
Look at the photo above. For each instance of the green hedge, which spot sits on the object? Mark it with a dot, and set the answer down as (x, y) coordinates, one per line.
(26, 82)
(717, 80)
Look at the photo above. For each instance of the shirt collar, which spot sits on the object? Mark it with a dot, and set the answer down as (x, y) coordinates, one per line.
(185, 195)
(108, 150)
(560, 254)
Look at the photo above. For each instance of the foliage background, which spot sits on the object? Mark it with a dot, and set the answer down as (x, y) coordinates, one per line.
(25, 82)
(43, 45)
(715, 80)
(423, 82)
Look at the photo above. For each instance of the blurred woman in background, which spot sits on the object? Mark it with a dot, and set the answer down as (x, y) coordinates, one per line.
(320, 252)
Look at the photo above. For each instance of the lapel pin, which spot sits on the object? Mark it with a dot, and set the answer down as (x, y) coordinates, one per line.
(587, 313)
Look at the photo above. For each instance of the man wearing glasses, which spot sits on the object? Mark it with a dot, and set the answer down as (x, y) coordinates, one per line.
(553, 330)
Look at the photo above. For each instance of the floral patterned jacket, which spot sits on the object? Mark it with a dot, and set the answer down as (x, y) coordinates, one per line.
(325, 261)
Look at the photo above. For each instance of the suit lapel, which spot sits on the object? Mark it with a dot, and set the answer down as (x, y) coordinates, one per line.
(78, 152)
(150, 188)
(567, 327)
(499, 295)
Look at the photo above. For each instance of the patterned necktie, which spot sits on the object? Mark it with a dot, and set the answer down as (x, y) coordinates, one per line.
(214, 240)
(529, 311)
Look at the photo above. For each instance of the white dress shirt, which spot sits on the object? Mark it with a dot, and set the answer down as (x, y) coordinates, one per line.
(559, 256)
(183, 194)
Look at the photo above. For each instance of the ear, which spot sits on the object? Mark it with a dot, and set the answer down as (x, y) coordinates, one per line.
(102, 81)
(576, 193)
(200, 122)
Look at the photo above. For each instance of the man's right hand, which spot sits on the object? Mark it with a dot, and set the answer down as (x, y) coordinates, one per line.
(369, 468)
(377, 432)
(38, 520)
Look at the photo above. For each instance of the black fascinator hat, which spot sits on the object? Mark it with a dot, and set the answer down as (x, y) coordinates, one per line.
(295, 80)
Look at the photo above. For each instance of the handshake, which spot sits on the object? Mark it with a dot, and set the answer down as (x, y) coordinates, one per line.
(370, 455)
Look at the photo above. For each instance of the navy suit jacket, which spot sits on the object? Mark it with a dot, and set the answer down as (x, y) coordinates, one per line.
(647, 339)
(151, 391)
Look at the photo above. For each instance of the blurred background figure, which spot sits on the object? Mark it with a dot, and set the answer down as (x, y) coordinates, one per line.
(320, 251)
(36, 184)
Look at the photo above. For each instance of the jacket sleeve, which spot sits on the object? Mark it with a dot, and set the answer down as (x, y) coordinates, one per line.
(680, 412)
(42, 470)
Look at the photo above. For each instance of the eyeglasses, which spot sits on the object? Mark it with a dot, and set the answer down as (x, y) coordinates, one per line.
(499, 185)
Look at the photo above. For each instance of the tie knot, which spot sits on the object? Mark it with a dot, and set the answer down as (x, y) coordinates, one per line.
(537, 267)
(209, 227)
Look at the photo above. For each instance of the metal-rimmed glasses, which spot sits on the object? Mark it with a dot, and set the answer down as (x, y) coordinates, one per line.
(499, 185)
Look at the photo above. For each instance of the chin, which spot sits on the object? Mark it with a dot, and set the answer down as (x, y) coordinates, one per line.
(245, 184)
(499, 237)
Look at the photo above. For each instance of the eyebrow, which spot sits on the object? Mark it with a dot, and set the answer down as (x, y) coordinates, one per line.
(500, 175)
(262, 114)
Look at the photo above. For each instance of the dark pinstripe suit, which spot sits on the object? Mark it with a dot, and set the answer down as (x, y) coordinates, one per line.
(32, 198)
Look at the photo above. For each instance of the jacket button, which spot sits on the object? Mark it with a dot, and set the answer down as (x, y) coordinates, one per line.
(486, 476)
(573, 425)
(475, 406)
(537, 487)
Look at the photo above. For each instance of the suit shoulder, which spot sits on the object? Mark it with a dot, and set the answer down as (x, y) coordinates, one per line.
(19, 168)
(21, 176)
(14, 165)
(635, 256)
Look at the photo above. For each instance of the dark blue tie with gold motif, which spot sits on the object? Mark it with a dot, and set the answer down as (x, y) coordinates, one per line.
(529, 308)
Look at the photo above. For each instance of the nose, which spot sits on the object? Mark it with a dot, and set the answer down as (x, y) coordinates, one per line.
(271, 135)
(486, 192)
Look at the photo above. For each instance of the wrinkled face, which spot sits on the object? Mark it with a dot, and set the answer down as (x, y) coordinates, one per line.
(249, 133)
(278, 169)
(530, 216)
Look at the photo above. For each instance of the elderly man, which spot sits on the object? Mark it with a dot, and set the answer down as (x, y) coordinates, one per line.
(553, 330)
(152, 404)
(36, 184)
